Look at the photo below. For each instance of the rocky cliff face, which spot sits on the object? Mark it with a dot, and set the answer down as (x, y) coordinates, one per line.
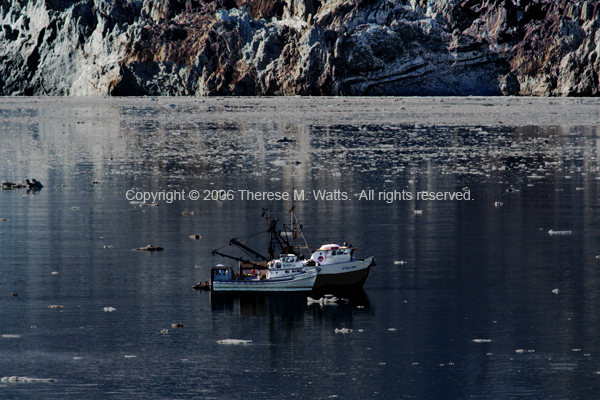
(306, 47)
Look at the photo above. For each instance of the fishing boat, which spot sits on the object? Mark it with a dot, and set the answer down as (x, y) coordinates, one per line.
(285, 274)
(337, 266)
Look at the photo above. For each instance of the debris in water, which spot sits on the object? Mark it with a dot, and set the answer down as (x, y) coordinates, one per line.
(149, 248)
(178, 325)
(234, 341)
(196, 236)
(54, 306)
(498, 204)
(188, 213)
(109, 309)
(3, 220)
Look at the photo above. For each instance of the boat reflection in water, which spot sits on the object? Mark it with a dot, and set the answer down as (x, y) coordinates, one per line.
(293, 306)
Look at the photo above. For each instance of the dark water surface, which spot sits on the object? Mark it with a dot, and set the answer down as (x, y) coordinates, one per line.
(470, 299)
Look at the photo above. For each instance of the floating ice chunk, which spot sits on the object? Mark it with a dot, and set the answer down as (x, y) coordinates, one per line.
(129, 356)
(234, 341)
(418, 212)
(8, 335)
(164, 331)
(310, 300)
(552, 233)
(109, 309)
(343, 330)
(399, 262)
(555, 291)
(598, 257)
(54, 273)
(392, 329)
(24, 379)
(576, 350)
(482, 340)
(498, 204)
(77, 358)
(327, 299)
(55, 306)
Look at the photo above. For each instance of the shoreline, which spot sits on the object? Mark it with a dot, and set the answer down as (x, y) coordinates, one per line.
(428, 111)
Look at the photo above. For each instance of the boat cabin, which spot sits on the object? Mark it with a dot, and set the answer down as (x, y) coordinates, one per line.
(332, 254)
(285, 264)
(221, 273)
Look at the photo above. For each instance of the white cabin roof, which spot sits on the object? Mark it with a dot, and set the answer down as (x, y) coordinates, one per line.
(331, 247)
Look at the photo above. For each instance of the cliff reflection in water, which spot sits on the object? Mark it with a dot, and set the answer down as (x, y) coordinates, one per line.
(462, 302)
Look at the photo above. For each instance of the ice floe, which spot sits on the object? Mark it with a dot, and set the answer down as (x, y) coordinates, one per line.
(24, 379)
(343, 330)
(555, 233)
(235, 341)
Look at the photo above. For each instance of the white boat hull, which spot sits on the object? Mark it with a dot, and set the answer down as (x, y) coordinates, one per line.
(298, 283)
